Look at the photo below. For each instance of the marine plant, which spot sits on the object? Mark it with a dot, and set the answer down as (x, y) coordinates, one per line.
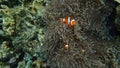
(22, 38)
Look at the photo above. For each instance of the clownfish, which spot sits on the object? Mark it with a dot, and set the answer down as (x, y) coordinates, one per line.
(68, 20)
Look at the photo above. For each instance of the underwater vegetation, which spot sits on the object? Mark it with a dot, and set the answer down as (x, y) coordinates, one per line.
(21, 33)
(37, 34)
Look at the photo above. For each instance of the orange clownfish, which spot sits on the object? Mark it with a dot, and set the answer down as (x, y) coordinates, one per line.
(69, 21)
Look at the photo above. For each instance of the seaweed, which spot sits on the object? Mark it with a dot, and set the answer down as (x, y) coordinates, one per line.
(22, 34)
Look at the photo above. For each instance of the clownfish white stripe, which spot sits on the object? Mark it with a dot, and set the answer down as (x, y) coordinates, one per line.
(72, 20)
(68, 20)
(63, 19)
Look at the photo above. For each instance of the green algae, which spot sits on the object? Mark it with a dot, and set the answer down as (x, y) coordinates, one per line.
(117, 1)
(22, 35)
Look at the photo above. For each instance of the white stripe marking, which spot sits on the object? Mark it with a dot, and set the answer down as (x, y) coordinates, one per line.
(68, 20)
